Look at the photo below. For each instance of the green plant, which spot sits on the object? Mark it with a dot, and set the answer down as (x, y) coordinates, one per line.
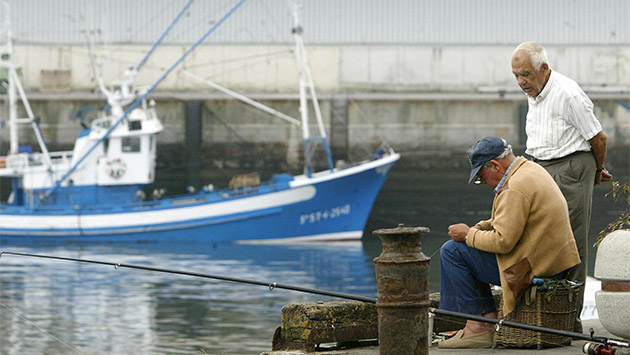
(623, 220)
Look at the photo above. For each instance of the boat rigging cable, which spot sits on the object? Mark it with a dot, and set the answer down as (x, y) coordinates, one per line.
(159, 41)
(607, 342)
(143, 97)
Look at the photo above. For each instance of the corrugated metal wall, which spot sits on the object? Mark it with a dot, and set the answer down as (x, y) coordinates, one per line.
(328, 22)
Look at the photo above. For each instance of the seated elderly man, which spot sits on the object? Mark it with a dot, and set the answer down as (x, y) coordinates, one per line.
(528, 235)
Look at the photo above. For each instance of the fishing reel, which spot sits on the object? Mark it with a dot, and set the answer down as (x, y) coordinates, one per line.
(597, 349)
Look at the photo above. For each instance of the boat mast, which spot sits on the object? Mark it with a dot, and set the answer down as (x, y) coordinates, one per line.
(14, 88)
(125, 95)
(306, 82)
(7, 59)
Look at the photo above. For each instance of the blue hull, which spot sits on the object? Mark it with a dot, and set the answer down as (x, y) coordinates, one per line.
(327, 206)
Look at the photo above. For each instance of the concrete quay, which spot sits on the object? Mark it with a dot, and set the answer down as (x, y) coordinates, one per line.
(575, 347)
(400, 316)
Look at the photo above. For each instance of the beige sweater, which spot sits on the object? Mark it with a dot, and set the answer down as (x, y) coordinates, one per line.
(530, 219)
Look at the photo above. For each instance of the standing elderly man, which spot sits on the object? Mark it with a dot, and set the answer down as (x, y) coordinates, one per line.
(528, 235)
(565, 137)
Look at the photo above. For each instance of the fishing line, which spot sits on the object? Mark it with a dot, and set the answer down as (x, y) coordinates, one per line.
(270, 285)
(40, 328)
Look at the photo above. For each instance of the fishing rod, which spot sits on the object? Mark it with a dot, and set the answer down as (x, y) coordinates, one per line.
(270, 285)
(601, 345)
(588, 348)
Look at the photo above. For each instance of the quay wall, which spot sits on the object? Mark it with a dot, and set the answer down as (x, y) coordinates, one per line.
(419, 99)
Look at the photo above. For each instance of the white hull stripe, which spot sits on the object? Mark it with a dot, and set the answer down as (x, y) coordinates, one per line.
(330, 237)
(168, 215)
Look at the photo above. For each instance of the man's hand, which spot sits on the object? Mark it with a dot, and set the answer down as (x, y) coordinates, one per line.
(602, 176)
(458, 231)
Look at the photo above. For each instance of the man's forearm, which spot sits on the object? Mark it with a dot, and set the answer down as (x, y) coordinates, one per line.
(598, 143)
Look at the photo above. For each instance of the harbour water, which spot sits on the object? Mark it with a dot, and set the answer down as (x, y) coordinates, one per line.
(61, 307)
(58, 307)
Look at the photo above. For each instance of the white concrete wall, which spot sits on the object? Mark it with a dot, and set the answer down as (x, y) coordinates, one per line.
(335, 69)
(417, 98)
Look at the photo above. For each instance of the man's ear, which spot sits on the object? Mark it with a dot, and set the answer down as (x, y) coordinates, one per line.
(544, 67)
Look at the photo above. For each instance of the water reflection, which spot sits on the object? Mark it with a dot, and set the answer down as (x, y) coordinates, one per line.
(59, 307)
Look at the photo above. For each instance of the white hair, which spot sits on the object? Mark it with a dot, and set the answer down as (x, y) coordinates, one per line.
(507, 152)
(537, 53)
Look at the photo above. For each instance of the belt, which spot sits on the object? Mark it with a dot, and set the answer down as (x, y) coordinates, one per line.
(561, 158)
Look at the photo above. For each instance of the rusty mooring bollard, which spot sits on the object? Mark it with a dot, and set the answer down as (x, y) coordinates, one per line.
(402, 279)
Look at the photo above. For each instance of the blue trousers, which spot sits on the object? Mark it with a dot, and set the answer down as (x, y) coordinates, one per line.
(465, 277)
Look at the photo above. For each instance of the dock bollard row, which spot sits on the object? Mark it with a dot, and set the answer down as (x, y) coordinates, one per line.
(402, 278)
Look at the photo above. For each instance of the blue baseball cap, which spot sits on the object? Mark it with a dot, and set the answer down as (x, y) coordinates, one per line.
(483, 151)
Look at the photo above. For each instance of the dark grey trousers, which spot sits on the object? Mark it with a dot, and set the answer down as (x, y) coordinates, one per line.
(575, 175)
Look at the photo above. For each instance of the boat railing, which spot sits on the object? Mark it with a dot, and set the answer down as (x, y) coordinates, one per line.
(23, 160)
(59, 158)
(104, 123)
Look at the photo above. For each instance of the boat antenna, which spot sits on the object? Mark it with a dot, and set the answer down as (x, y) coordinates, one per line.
(306, 81)
(143, 97)
(90, 44)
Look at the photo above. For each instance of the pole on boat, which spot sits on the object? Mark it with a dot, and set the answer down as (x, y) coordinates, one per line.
(243, 98)
(13, 132)
(159, 41)
(305, 80)
(14, 89)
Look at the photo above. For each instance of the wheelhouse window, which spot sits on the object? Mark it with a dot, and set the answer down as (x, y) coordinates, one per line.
(131, 144)
(135, 125)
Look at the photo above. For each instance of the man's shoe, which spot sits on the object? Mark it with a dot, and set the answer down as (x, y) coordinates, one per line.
(483, 340)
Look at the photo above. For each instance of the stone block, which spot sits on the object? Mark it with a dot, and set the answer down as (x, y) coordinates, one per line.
(611, 262)
(304, 326)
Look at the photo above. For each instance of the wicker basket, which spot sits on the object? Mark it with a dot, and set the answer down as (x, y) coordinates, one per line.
(554, 307)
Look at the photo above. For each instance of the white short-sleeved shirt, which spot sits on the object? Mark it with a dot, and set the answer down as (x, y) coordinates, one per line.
(560, 120)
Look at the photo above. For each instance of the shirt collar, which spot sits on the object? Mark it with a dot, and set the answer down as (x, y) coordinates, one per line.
(502, 182)
(545, 91)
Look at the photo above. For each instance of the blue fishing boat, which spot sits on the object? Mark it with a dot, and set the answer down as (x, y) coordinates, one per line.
(95, 192)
